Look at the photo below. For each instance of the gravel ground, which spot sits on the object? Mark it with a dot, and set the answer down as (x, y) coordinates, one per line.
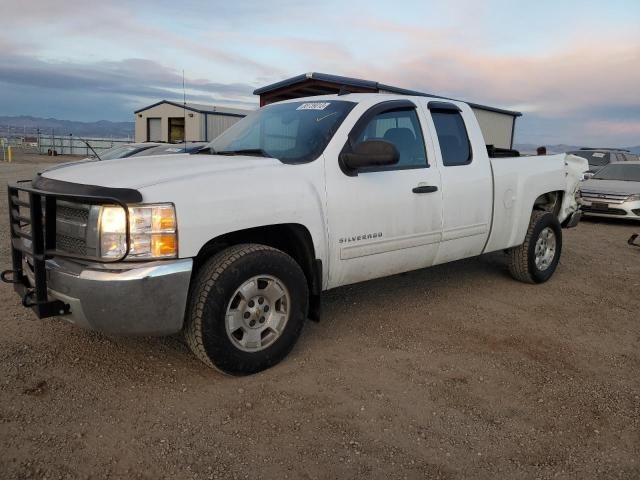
(452, 372)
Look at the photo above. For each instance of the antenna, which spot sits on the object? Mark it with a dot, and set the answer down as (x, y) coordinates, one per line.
(184, 113)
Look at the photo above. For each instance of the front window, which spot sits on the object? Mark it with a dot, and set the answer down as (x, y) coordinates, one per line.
(619, 171)
(402, 129)
(294, 132)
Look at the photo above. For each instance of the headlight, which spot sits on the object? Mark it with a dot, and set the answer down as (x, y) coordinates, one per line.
(633, 198)
(152, 232)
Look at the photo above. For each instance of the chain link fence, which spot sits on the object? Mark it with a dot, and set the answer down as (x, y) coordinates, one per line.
(35, 140)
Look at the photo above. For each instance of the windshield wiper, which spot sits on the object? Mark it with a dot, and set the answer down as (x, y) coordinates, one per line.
(246, 151)
(206, 150)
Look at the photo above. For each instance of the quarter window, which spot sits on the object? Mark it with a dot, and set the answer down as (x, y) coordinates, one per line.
(453, 138)
(402, 129)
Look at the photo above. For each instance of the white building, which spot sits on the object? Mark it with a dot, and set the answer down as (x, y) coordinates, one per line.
(173, 122)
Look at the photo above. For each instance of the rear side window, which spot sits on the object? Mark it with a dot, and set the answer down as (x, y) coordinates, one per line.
(453, 138)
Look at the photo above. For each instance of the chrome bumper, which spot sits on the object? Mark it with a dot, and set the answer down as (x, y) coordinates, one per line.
(125, 299)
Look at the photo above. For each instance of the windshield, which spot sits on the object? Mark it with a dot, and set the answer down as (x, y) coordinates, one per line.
(118, 152)
(620, 171)
(294, 132)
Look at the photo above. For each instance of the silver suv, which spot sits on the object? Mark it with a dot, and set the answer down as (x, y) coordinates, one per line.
(601, 157)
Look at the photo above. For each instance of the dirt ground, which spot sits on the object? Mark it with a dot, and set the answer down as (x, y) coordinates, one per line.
(452, 372)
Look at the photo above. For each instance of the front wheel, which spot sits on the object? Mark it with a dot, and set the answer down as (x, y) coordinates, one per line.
(537, 258)
(247, 308)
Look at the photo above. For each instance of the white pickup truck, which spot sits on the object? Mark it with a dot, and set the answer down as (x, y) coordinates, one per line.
(235, 244)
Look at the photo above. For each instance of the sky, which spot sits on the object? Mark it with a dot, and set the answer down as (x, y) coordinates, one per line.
(571, 67)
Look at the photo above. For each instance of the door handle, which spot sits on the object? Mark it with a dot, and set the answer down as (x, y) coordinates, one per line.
(425, 189)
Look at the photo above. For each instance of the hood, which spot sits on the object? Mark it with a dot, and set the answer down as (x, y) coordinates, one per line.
(139, 172)
(619, 187)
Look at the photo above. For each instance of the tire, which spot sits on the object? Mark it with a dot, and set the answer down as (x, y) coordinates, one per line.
(522, 259)
(217, 308)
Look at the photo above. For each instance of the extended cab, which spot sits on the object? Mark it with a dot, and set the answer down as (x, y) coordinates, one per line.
(234, 245)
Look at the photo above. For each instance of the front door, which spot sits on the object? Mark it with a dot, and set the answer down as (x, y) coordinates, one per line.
(385, 220)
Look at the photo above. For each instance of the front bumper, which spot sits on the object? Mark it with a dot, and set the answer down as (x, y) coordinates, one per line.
(627, 210)
(147, 298)
(572, 220)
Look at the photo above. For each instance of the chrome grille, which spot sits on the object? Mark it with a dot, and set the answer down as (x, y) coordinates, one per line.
(592, 196)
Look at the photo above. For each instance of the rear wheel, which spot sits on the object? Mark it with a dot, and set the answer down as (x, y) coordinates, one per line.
(537, 258)
(247, 309)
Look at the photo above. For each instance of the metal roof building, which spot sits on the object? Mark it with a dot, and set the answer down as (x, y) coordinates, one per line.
(167, 121)
(497, 124)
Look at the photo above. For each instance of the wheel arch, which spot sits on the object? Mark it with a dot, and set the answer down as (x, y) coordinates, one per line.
(294, 239)
(549, 202)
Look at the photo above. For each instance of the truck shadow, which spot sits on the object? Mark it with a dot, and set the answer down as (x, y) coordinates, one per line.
(623, 222)
(343, 308)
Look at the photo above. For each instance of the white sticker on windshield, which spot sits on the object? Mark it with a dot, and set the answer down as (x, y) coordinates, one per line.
(314, 106)
(598, 155)
(173, 150)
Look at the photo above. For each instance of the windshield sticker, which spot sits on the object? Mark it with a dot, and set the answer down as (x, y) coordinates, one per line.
(314, 106)
(173, 150)
(598, 155)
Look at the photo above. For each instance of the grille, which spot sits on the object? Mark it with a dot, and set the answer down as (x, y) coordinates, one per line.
(592, 196)
(608, 211)
(79, 214)
(71, 227)
(68, 244)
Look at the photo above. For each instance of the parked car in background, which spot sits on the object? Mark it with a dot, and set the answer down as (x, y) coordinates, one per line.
(126, 150)
(171, 149)
(614, 191)
(147, 149)
(600, 157)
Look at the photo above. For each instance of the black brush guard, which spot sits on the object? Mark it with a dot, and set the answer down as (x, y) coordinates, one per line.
(42, 235)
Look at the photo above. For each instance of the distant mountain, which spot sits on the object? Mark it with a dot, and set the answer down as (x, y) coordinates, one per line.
(106, 129)
(30, 125)
(562, 148)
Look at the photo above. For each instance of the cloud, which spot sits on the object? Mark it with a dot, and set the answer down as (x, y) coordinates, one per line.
(562, 73)
(127, 84)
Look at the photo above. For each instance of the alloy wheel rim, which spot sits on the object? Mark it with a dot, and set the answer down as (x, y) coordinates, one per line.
(257, 313)
(545, 249)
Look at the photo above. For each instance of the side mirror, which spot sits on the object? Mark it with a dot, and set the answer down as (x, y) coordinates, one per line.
(370, 153)
(588, 175)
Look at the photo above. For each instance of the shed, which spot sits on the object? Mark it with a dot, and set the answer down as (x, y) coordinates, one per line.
(497, 124)
(167, 121)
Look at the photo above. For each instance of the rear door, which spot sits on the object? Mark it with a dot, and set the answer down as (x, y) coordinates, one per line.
(384, 220)
(467, 182)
